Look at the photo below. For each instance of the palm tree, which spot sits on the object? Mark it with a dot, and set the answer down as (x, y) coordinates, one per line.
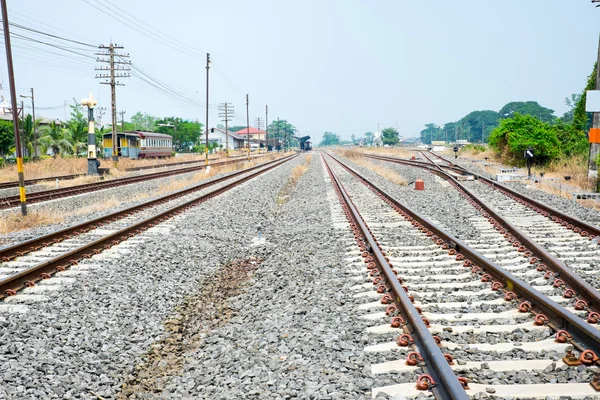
(56, 138)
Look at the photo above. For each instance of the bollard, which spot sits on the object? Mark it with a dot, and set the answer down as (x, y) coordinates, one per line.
(57, 183)
(419, 184)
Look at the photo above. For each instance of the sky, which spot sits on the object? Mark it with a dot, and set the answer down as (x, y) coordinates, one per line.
(341, 66)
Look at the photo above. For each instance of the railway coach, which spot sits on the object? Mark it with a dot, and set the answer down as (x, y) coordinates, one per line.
(139, 144)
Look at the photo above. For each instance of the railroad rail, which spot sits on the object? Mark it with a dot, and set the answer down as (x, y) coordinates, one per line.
(13, 201)
(539, 257)
(459, 272)
(27, 277)
(8, 185)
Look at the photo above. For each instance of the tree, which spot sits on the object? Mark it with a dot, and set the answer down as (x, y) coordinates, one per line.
(77, 127)
(516, 134)
(581, 118)
(238, 128)
(390, 136)
(430, 133)
(527, 108)
(54, 137)
(7, 137)
(473, 125)
(143, 122)
(329, 139)
(571, 102)
(369, 137)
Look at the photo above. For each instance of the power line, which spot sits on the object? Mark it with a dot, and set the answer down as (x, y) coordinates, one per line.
(49, 34)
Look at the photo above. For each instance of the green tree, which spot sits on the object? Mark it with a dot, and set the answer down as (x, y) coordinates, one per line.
(56, 138)
(369, 137)
(238, 128)
(7, 137)
(430, 133)
(514, 135)
(329, 139)
(581, 118)
(571, 102)
(477, 125)
(77, 127)
(143, 122)
(527, 108)
(390, 136)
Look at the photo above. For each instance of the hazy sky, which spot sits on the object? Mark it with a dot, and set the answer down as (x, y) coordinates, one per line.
(325, 65)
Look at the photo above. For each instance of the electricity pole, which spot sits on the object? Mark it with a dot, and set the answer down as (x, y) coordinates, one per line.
(35, 143)
(14, 108)
(248, 126)
(445, 134)
(206, 128)
(122, 120)
(278, 135)
(225, 113)
(267, 127)
(118, 69)
(258, 125)
(594, 138)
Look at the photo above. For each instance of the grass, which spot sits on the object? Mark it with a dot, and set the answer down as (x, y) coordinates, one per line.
(14, 221)
(295, 175)
(357, 157)
(69, 166)
(388, 151)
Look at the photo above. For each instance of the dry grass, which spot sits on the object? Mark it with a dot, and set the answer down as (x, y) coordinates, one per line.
(81, 180)
(295, 176)
(14, 221)
(402, 152)
(45, 168)
(386, 173)
(575, 167)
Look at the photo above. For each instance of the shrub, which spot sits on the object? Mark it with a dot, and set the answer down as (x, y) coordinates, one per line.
(514, 135)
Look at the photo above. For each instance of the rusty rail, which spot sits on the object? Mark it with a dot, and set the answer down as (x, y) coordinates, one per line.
(539, 255)
(584, 335)
(19, 249)
(30, 276)
(13, 201)
(447, 384)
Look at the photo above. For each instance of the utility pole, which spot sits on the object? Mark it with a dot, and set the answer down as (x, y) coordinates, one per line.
(267, 127)
(248, 126)
(118, 69)
(278, 136)
(100, 111)
(594, 138)
(225, 113)
(206, 129)
(35, 142)
(122, 120)
(445, 134)
(92, 158)
(13, 100)
(258, 125)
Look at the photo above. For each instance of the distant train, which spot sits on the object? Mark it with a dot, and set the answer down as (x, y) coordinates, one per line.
(139, 144)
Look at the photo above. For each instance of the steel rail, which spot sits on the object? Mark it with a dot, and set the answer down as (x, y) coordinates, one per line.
(561, 270)
(447, 384)
(30, 276)
(568, 219)
(560, 317)
(12, 201)
(9, 252)
(8, 185)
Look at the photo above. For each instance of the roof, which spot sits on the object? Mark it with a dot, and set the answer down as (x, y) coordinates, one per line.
(144, 135)
(229, 133)
(130, 134)
(252, 131)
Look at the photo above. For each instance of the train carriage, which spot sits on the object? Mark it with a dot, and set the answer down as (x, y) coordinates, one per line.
(139, 144)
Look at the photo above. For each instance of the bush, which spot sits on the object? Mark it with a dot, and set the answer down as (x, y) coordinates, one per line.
(1, 162)
(515, 135)
(473, 148)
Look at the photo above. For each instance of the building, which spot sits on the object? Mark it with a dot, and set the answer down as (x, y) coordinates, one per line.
(139, 144)
(234, 140)
(255, 134)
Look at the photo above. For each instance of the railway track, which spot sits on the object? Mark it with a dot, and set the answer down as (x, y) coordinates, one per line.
(13, 201)
(449, 321)
(565, 251)
(24, 264)
(28, 182)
